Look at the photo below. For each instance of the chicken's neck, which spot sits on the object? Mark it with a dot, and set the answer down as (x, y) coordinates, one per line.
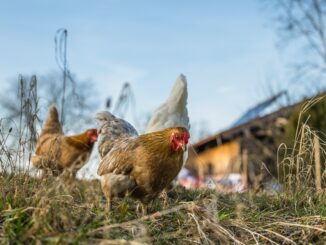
(80, 141)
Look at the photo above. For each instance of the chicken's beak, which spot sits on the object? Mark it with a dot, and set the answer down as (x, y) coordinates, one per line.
(183, 146)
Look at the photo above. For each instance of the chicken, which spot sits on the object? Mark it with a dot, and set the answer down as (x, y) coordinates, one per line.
(57, 152)
(143, 165)
(172, 113)
(109, 129)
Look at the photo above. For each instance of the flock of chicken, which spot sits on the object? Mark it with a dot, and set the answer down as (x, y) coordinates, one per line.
(141, 166)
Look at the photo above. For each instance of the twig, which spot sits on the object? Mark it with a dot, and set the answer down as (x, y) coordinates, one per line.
(297, 225)
(281, 236)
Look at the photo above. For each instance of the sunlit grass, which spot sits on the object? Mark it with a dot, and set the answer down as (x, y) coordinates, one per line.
(50, 211)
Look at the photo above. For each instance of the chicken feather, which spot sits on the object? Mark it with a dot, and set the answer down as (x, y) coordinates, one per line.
(109, 129)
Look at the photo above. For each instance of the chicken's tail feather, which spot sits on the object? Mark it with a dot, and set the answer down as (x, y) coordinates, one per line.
(52, 124)
(53, 114)
(174, 111)
(179, 93)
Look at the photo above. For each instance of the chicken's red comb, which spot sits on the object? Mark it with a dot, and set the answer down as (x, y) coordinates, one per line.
(92, 130)
(186, 137)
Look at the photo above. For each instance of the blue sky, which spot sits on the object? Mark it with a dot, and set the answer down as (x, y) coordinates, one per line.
(225, 48)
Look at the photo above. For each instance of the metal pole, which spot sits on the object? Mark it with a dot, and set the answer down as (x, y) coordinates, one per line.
(65, 34)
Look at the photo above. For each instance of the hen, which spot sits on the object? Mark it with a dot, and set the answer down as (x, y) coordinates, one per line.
(57, 152)
(143, 165)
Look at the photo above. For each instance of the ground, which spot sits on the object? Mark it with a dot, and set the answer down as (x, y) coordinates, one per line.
(56, 211)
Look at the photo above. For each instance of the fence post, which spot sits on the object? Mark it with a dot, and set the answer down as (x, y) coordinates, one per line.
(317, 162)
(245, 167)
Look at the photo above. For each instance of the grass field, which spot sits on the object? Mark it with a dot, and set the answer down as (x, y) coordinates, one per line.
(60, 211)
(53, 211)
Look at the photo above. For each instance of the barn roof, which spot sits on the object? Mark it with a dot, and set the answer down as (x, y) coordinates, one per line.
(266, 107)
(239, 128)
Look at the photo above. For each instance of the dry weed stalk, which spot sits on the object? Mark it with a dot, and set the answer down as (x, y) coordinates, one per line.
(298, 165)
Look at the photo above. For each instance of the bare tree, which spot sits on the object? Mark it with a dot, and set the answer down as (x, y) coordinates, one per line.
(78, 103)
(18, 130)
(303, 22)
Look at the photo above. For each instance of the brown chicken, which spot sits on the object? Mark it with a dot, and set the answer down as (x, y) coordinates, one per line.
(143, 165)
(57, 152)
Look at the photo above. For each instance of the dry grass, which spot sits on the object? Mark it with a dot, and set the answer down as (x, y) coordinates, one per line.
(53, 211)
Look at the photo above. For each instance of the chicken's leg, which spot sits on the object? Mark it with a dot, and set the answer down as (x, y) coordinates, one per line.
(142, 209)
(164, 196)
(108, 204)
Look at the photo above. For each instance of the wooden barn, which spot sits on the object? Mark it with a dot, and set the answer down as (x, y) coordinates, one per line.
(248, 149)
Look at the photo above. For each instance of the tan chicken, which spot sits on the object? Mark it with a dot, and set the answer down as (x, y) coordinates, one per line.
(143, 165)
(57, 152)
